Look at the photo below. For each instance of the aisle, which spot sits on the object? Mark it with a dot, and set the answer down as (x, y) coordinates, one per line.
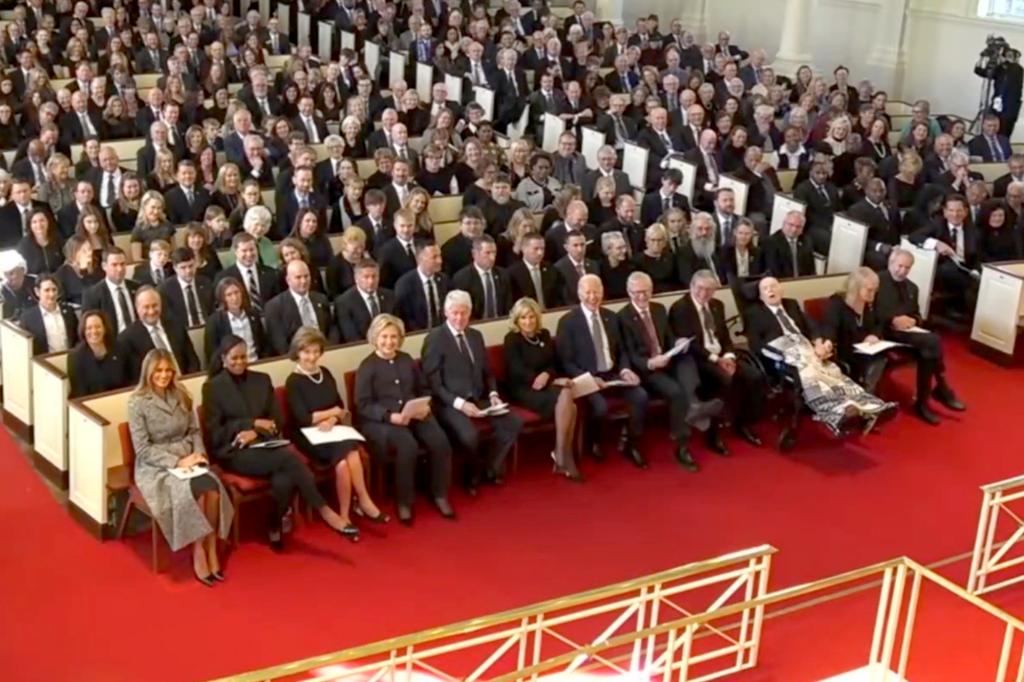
(73, 608)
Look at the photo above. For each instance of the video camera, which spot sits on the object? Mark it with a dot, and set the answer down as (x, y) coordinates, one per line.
(996, 53)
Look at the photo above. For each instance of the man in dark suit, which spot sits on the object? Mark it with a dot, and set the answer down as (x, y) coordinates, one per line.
(606, 160)
(532, 277)
(64, 322)
(486, 284)
(302, 195)
(457, 252)
(259, 98)
(896, 305)
(397, 255)
(419, 293)
(660, 142)
(14, 215)
(545, 100)
(512, 90)
(1015, 165)
(151, 57)
(298, 306)
(648, 339)
(700, 251)
(577, 219)
(708, 160)
(822, 200)
(276, 42)
(883, 221)
(113, 294)
(616, 126)
(774, 315)
(356, 308)
(622, 79)
(67, 216)
(788, 253)
(186, 202)
(625, 222)
(957, 242)
(152, 329)
(307, 122)
(589, 340)
(80, 123)
(260, 281)
(397, 191)
(573, 266)
(701, 317)
(187, 296)
(456, 364)
(658, 203)
(990, 145)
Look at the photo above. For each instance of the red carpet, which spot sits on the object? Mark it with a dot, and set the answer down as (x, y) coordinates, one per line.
(73, 608)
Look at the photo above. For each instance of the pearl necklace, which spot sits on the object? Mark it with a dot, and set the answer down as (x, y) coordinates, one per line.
(533, 341)
(320, 372)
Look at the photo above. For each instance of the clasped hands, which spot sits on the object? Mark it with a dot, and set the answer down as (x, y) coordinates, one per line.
(248, 436)
(471, 410)
(193, 460)
(823, 349)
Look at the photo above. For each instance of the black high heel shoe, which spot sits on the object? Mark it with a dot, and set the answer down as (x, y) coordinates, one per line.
(218, 576)
(381, 517)
(349, 532)
(207, 581)
(573, 475)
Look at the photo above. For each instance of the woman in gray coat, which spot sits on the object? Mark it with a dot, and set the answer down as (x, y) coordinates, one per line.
(165, 435)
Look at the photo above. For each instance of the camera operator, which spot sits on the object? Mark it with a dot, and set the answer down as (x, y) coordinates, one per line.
(1001, 64)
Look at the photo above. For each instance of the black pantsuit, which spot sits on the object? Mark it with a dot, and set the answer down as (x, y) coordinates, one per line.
(285, 471)
(900, 298)
(382, 388)
(467, 433)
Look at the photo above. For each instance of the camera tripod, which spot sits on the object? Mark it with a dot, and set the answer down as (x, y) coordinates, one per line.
(984, 105)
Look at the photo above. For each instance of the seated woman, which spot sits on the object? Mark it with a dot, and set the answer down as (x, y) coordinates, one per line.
(165, 435)
(125, 211)
(341, 269)
(258, 221)
(53, 325)
(657, 259)
(615, 268)
(41, 247)
(292, 248)
(850, 318)
(16, 286)
(78, 271)
(533, 381)
(314, 401)
(152, 224)
(778, 330)
(602, 206)
(241, 411)
(386, 380)
(236, 315)
(742, 257)
(1000, 238)
(95, 365)
(197, 239)
(350, 207)
(311, 234)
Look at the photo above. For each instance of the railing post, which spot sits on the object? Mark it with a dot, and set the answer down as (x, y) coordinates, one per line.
(973, 585)
(908, 629)
(1004, 654)
(883, 605)
(537, 642)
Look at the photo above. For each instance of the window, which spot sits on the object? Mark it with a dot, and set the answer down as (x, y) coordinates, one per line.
(1001, 9)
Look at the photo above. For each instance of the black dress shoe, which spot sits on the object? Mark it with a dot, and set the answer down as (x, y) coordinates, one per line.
(634, 456)
(685, 459)
(444, 507)
(746, 434)
(925, 413)
(404, 515)
(275, 540)
(716, 444)
(949, 399)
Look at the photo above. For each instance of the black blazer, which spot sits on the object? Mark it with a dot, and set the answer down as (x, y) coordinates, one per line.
(779, 262)
(179, 211)
(411, 299)
(268, 280)
(382, 388)
(634, 337)
(97, 297)
(394, 262)
(231, 406)
(686, 323)
(881, 229)
(283, 319)
(689, 262)
(456, 253)
(288, 210)
(134, 342)
(218, 326)
(762, 326)
(468, 279)
(651, 208)
(143, 273)
(570, 278)
(521, 283)
(895, 299)
(449, 374)
(32, 321)
(88, 375)
(841, 326)
(938, 229)
(352, 316)
(174, 298)
(576, 349)
(755, 263)
(819, 211)
(40, 259)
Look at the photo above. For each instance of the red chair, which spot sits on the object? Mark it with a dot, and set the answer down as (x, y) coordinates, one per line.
(135, 499)
(532, 422)
(814, 308)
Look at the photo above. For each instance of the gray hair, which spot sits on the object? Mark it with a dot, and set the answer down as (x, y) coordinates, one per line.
(457, 298)
(703, 276)
(608, 238)
(257, 215)
(898, 251)
(638, 277)
(334, 139)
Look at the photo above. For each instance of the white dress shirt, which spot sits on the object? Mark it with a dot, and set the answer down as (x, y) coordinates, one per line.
(241, 328)
(56, 330)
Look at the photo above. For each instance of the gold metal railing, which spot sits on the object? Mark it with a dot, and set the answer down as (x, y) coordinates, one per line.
(653, 647)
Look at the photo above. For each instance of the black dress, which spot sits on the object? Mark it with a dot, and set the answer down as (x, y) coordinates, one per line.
(524, 360)
(614, 278)
(306, 396)
(844, 328)
(998, 245)
(40, 259)
(123, 219)
(89, 375)
(73, 284)
(662, 270)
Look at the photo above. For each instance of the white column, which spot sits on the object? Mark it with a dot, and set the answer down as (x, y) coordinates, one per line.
(886, 58)
(610, 10)
(793, 45)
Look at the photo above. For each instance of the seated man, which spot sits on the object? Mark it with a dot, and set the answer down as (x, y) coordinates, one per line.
(957, 242)
(152, 329)
(780, 334)
(788, 253)
(647, 339)
(700, 316)
(455, 363)
(297, 306)
(589, 340)
(898, 311)
(700, 251)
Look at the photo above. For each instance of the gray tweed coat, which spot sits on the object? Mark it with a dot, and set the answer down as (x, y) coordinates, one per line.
(162, 432)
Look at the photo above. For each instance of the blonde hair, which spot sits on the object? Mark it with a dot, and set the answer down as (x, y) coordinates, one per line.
(149, 364)
(520, 308)
(382, 322)
(354, 234)
(857, 279)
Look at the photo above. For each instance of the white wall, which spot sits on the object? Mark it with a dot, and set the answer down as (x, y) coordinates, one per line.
(935, 60)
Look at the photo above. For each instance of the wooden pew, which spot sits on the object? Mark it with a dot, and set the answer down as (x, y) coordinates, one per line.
(93, 445)
(997, 314)
(787, 178)
(16, 351)
(990, 171)
(922, 274)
